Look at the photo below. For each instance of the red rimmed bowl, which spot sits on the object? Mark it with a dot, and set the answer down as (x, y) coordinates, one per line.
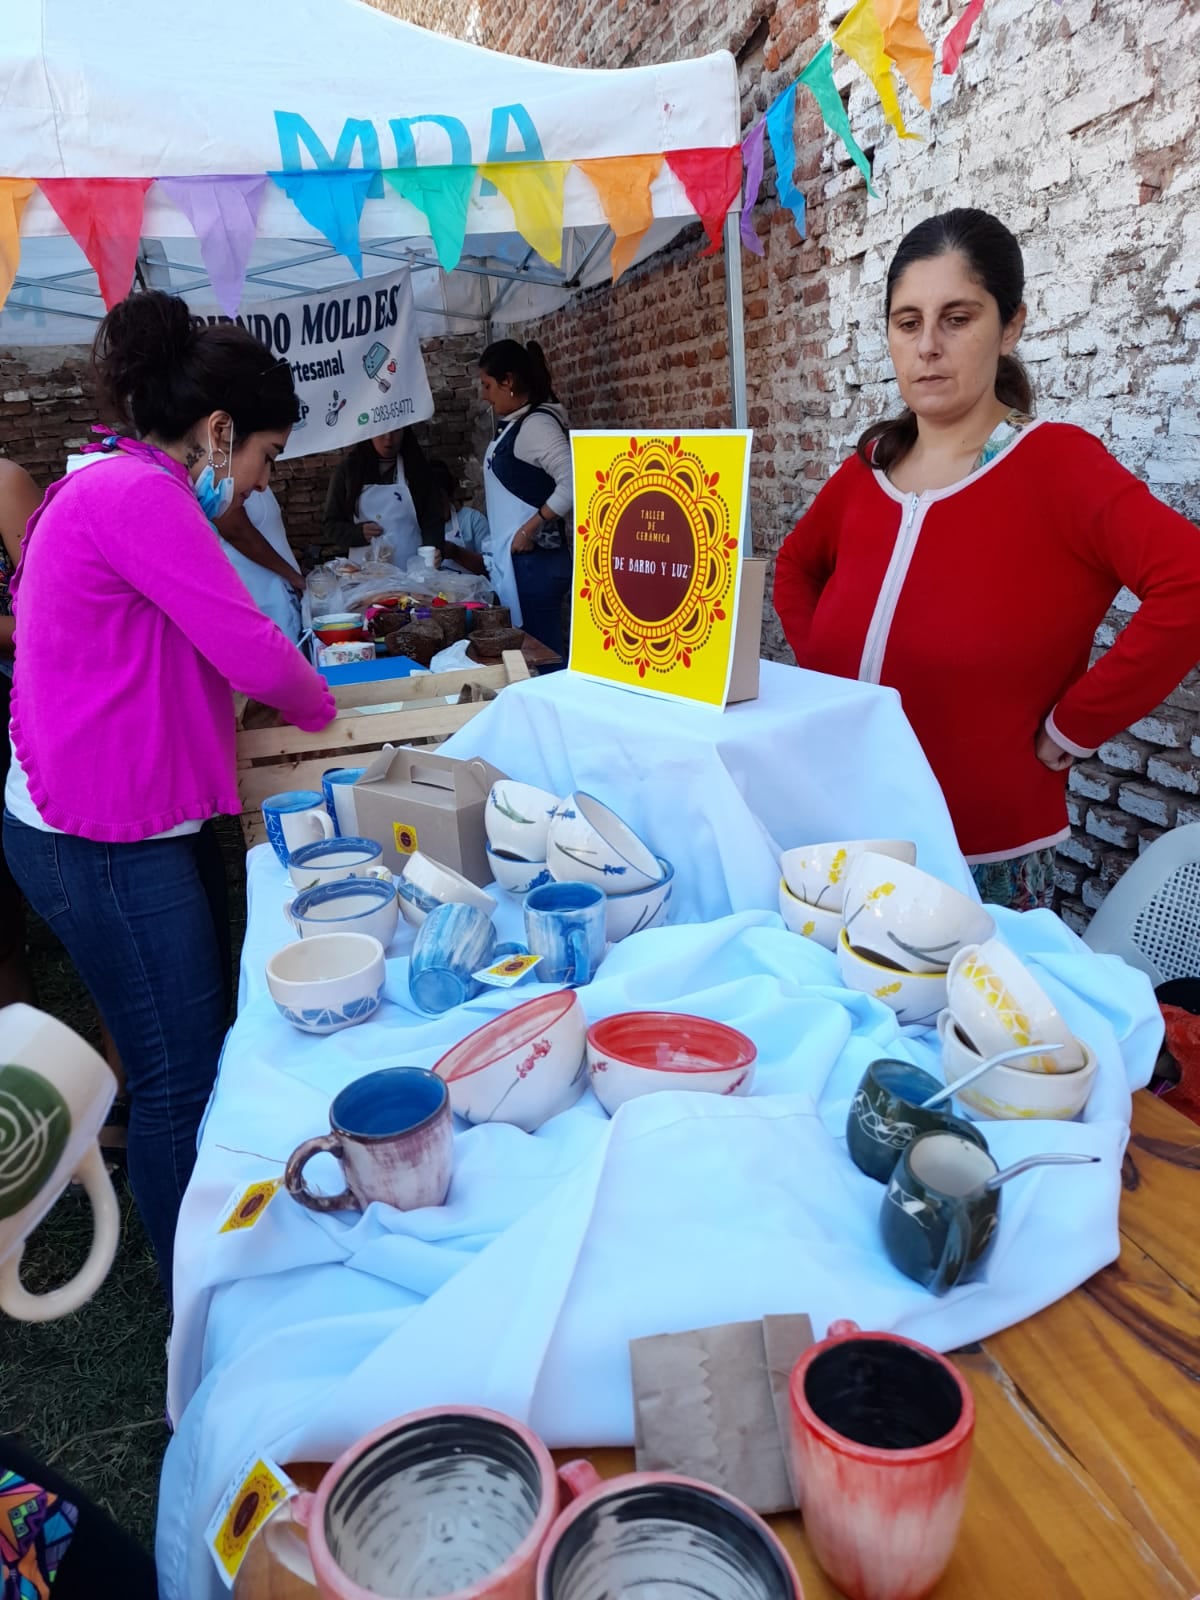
(642, 1052)
(523, 1067)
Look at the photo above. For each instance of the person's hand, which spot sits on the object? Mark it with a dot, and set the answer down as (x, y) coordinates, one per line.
(296, 579)
(1051, 754)
(523, 539)
(371, 530)
(437, 558)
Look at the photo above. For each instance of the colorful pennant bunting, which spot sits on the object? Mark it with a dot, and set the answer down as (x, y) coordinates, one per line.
(534, 190)
(104, 217)
(781, 120)
(905, 42)
(14, 192)
(955, 41)
(752, 161)
(623, 184)
(817, 78)
(332, 203)
(860, 35)
(223, 212)
(712, 180)
(443, 195)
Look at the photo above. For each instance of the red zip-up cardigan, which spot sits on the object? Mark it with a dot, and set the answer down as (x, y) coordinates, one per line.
(979, 604)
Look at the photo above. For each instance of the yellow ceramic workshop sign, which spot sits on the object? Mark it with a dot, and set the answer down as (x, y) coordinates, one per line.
(658, 547)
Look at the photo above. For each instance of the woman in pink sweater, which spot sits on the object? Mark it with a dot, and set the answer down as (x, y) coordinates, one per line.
(133, 633)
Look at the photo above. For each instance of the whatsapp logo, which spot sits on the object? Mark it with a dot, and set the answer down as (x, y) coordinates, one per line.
(363, 419)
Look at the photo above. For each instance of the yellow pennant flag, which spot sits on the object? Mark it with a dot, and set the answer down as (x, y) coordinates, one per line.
(860, 35)
(904, 40)
(534, 190)
(14, 192)
(623, 184)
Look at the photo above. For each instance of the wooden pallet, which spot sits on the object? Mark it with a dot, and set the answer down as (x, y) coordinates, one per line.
(422, 710)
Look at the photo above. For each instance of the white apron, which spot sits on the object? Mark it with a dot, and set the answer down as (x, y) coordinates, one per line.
(505, 514)
(391, 506)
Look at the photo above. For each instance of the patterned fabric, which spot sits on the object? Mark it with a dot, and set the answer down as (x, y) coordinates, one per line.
(1006, 431)
(6, 572)
(1024, 883)
(35, 1530)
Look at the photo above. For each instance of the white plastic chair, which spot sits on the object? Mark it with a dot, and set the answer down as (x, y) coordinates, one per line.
(1152, 916)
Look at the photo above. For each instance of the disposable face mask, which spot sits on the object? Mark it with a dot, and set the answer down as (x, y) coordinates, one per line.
(215, 498)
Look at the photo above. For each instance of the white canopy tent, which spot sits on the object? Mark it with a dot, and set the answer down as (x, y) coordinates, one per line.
(120, 88)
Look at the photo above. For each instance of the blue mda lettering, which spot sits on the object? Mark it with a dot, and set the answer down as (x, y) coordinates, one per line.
(530, 148)
(293, 131)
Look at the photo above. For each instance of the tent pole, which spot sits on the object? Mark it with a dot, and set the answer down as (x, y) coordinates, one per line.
(735, 321)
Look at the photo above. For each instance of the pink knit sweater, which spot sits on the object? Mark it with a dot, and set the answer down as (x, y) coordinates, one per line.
(133, 632)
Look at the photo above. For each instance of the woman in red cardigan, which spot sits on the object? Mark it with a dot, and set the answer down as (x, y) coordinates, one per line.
(966, 554)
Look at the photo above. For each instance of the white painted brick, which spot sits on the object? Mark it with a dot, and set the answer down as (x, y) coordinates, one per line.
(1077, 921)
(1090, 784)
(1135, 425)
(1126, 601)
(1172, 773)
(1122, 756)
(1094, 894)
(1169, 731)
(1144, 803)
(1110, 827)
(1184, 420)
(1186, 816)
(1076, 849)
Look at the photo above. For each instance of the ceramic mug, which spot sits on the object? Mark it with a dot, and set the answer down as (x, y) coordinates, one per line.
(332, 860)
(393, 1136)
(652, 1533)
(337, 785)
(565, 925)
(453, 943)
(356, 905)
(886, 1116)
(938, 1222)
(55, 1092)
(453, 1501)
(295, 818)
(880, 1436)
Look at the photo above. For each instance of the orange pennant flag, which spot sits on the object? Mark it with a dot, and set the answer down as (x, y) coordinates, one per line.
(14, 192)
(860, 35)
(906, 44)
(104, 217)
(623, 184)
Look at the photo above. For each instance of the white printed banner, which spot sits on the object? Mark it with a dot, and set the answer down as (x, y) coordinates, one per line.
(355, 357)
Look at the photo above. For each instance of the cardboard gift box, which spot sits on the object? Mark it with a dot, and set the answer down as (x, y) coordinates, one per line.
(748, 631)
(412, 800)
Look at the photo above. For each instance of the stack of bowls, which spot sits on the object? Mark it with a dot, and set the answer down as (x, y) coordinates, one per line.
(994, 1003)
(589, 843)
(901, 929)
(517, 822)
(812, 890)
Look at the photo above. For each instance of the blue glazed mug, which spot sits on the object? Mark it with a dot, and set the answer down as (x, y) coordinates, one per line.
(337, 785)
(296, 818)
(452, 944)
(565, 926)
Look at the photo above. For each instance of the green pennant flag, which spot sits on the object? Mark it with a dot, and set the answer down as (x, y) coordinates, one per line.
(817, 78)
(443, 194)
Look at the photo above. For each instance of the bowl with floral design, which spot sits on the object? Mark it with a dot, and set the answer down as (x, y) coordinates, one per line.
(643, 1052)
(523, 1067)
(810, 921)
(896, 913)
(915, 997)
(817, 873)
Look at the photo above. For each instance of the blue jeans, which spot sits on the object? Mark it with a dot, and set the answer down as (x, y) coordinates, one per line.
(147, 927)
(543, 578)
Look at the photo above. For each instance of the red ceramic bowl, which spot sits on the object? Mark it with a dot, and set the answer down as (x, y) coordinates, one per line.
(640, 1052)
(338, 635)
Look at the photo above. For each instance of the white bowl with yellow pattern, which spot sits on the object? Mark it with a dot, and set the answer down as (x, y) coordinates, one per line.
(1010, 1093)
(915, 997)
(811, 921)
(897, 913)
(998, 1004)
(817, 873)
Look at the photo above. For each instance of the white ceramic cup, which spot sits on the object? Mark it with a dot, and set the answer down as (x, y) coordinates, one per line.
(811, 921)
(998, 1004)
(915, 997)
(523, 1067)
(908, 916)
(332, 860)
(55, 1092)
(355, 905)
(1009, 1093)
(817, 873)
(517, 819)
(588, 843)
(428, 555)
(323, 984)
(447, 887)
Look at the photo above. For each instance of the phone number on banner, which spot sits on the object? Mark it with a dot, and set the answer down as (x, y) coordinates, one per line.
(392, 408)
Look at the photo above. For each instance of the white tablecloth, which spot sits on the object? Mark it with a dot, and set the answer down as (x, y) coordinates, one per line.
(555, 1249)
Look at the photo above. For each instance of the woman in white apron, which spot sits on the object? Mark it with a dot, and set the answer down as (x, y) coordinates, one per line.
(383, 488)
(527, 481)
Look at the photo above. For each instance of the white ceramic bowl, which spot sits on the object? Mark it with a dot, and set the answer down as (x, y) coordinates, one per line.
(447, 887)
(915, 997)
(998, 1003)
(1008, 1093)
(517, 819)
(331, 982)
(524, 1067)
(817, 873)
(588, 843)
(908, 916)
(811, 921)
(516, 875)
(415, 904)
(356, 905)
(331, 860)
(643, 1052)
(639, 909)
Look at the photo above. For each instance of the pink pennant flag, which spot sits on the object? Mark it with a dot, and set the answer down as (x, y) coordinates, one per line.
(223, 212)
(752, 160)
(955, 41)
(104, 217)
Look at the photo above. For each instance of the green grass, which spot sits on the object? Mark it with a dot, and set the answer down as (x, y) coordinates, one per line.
(87, 1393)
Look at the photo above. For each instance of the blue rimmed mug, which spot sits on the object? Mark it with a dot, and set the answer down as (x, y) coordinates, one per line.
(337, 785)
(453, 943)
(295, 818)
(565, 926)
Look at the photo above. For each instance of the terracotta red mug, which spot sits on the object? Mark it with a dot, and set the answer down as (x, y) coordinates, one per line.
(881, 1432)
(453, 1501)
(651, 1532)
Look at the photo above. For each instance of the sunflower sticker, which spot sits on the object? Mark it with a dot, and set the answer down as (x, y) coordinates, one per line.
(258, 1490)
(248, 1206)
(405, 836)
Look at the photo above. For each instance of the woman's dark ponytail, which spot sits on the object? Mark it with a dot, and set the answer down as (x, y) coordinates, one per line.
(525, 364)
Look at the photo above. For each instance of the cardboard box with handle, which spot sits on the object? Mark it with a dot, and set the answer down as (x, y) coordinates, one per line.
(413, 800)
